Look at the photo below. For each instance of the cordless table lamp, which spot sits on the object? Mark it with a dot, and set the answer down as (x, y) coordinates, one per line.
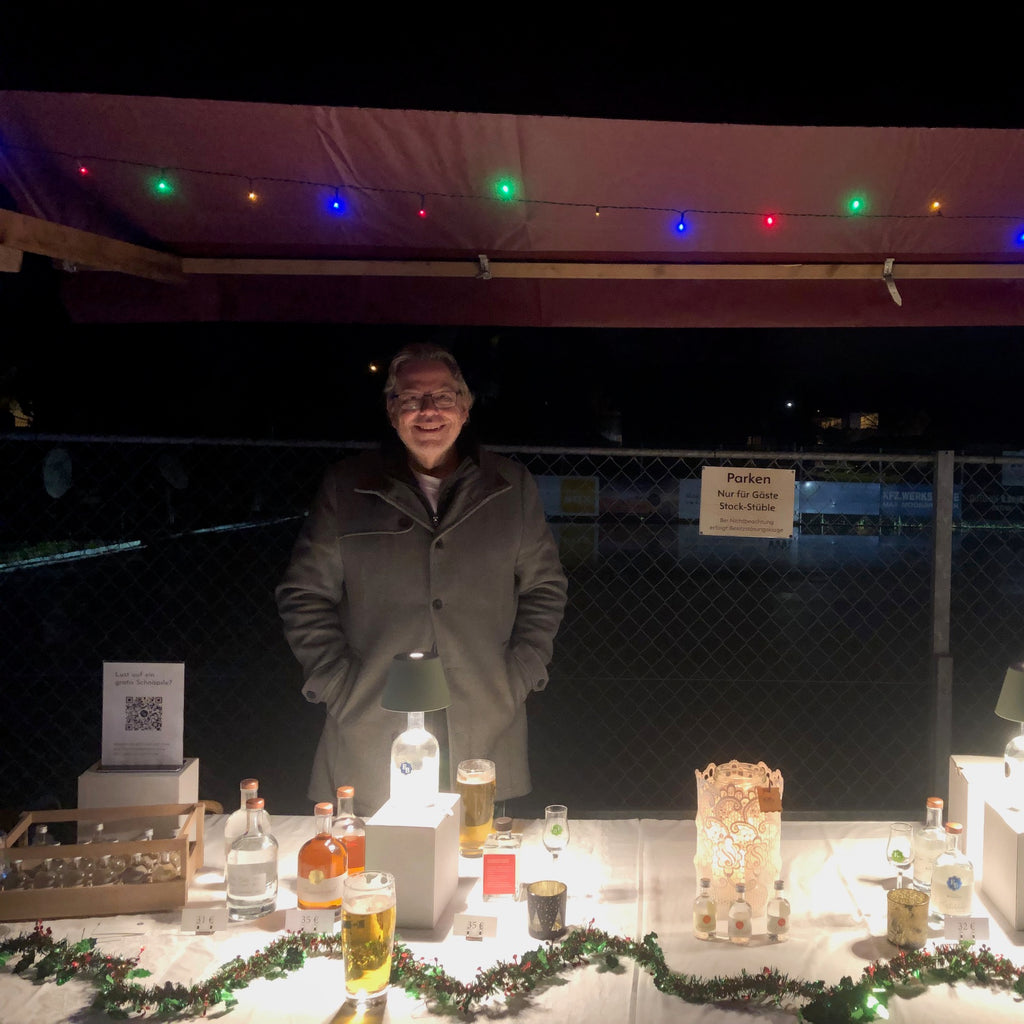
(1011, 707)
(415, 684)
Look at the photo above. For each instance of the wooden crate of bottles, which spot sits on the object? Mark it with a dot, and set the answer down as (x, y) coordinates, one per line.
(184, 823)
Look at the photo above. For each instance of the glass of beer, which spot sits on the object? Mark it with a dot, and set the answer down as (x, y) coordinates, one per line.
(475, 784)
(367, 934)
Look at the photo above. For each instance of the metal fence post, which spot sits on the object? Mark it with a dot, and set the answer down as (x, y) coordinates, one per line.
(942, 659)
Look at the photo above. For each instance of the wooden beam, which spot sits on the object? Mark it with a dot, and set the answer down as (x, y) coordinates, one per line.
(608, 271)
(86, 249)
(10, 259)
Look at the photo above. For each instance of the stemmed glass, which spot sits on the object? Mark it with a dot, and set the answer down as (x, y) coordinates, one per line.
(900, 850)
(556, 829)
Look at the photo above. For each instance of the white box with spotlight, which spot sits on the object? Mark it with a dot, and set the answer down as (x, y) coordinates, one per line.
(420, 847)
(973, 779)
(1003, 871)
(116, 787)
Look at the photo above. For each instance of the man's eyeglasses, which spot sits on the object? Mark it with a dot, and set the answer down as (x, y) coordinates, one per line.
(409, 401)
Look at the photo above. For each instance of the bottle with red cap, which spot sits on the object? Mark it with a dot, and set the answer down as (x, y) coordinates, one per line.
(350, 829)
(323, 864)
(251, 870)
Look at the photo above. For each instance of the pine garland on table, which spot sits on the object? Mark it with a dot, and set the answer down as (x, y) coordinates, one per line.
(119, 992)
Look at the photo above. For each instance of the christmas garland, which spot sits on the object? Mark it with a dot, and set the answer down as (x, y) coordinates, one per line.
(119, 992)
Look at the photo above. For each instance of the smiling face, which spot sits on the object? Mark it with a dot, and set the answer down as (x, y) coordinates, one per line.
(428, 433)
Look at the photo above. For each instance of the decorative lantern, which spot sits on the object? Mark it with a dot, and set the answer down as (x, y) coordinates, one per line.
(739, 810)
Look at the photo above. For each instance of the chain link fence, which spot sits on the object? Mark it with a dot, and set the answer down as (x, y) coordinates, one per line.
(820, 655)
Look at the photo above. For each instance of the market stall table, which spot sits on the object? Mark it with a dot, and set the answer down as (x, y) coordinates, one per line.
(629, 877)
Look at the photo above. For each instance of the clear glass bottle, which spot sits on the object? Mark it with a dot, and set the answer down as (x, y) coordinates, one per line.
(74, 876)
(166, 870)
(251, 870)
(45, 876)
(705, 914)
(103, 872)
(16, 877)
(415, 764)
(953, 877)
(778, 913)
(41, 837)
(236, 823)
(137, 872)
(350, 829)
(501, 861)
(148, 858)
(739, 917)
(323, 864)
(929, 842)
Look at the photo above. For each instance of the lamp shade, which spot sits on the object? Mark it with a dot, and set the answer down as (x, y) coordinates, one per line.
(1011, 698)
(415, 682)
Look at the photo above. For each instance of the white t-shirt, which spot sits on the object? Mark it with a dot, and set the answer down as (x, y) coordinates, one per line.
(430, 486)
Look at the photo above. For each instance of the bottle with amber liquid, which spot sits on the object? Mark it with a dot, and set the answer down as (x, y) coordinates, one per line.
(350, 829)
(323, 864)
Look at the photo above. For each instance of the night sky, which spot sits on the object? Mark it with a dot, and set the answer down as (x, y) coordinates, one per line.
(932, 388)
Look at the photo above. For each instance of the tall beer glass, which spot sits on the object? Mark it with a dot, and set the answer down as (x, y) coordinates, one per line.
(367, 934)
(474, 782)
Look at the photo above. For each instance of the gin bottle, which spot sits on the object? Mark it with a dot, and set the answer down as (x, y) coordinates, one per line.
(251, 870)
(415, 765)
(323, 865)
(350, 829)
(778, 913)
(739, 917)
(953, 877)
(705, 919)
(166, 870)
(929, 842)
(236, 823)
(501, 861)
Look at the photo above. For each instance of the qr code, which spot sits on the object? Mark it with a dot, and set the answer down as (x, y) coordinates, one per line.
(143, 714)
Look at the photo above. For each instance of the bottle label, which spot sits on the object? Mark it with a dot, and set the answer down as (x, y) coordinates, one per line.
(499, 874)
(704, 917)
(739, 926)
(318, 889)
(248, 881)
(778, 925)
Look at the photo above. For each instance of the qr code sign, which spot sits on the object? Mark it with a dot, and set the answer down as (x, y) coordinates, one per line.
(143, 714)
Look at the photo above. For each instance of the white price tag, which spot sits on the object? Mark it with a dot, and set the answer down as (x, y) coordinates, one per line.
(475, 926)
(204, 920)
(958, 928)
(298, 919)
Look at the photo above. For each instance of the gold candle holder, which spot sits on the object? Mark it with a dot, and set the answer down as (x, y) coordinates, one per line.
(908, 918)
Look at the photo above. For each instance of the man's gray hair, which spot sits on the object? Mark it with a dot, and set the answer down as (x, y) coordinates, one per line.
(422, 350)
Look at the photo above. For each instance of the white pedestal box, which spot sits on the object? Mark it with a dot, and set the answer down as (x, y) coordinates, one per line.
(973, 779)
(420, 847)
(1004, 862)
(98, 787)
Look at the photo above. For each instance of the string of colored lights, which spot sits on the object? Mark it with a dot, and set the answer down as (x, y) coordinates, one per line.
(506, 190)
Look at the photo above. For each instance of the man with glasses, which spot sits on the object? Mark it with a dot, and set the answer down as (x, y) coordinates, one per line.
(430, 543)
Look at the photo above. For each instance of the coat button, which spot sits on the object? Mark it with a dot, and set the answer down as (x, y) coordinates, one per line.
(404, 524)
(438, 603)
(439, 545)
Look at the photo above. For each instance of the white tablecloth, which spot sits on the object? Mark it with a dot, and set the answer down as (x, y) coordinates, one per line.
(629, 877)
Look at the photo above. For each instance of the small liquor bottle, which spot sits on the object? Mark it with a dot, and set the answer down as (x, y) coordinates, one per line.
(251, 871)
(778, 914)
(953, 877)
(500, 861)
(166, 870)
(739, 917)
(236, 823)
(929, 842)
(350, 829)
(323, 865)
(705, 919)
